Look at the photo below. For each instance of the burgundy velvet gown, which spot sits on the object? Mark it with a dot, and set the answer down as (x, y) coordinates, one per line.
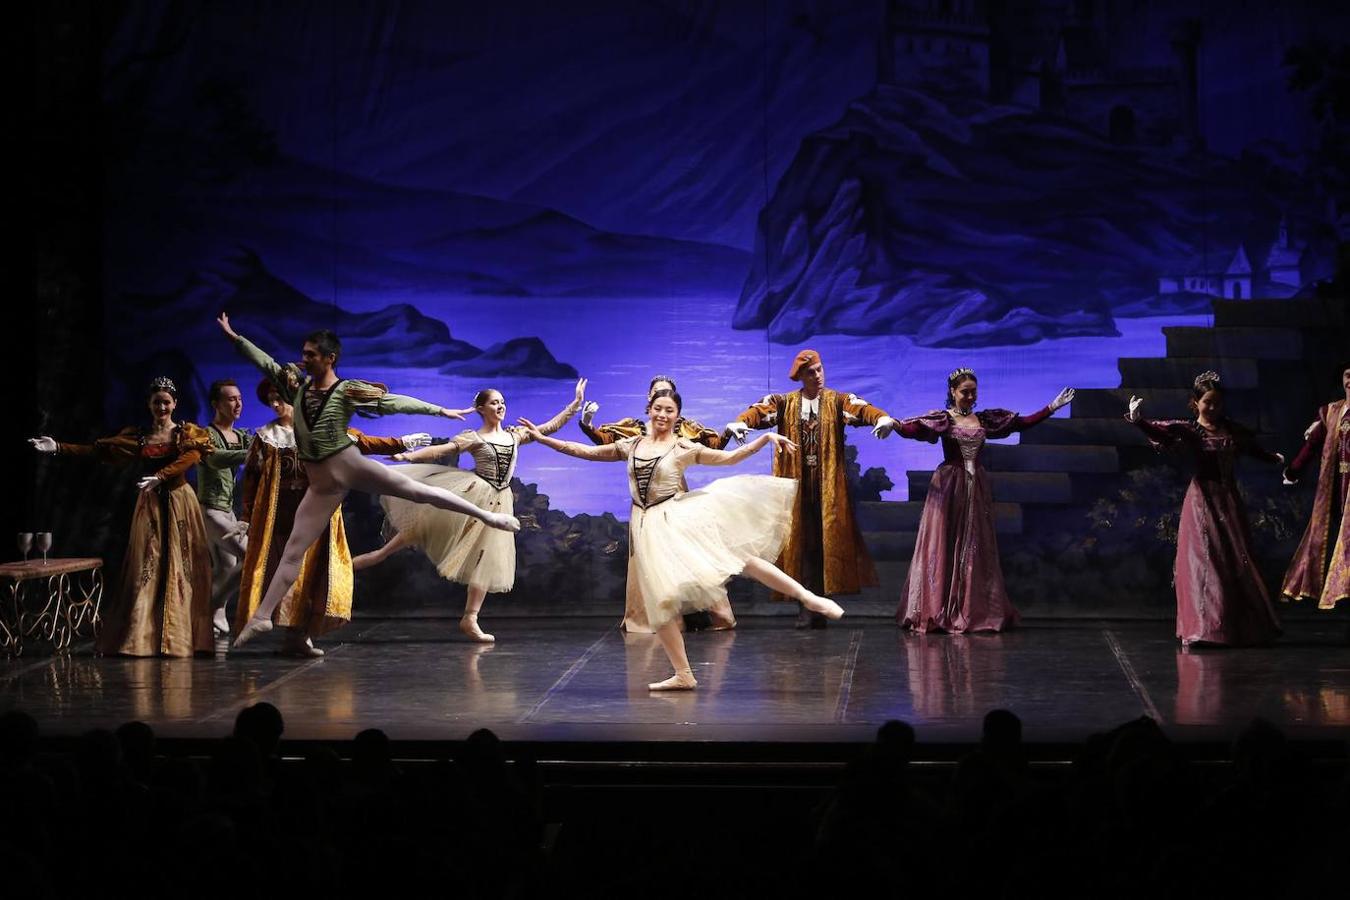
(955, 581)
(1221, 598)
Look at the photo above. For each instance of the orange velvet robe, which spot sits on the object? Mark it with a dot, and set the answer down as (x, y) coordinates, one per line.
(163, 601)
(846, 566)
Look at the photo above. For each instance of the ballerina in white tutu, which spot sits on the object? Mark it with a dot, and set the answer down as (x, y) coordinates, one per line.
(464, 549)
(686, 545)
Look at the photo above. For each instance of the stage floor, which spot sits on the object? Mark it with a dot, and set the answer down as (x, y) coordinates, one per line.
(583, 680)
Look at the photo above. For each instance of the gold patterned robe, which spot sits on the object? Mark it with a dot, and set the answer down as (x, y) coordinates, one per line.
(163, 601)
(274, 483)
(1320, 568)
(825, 550)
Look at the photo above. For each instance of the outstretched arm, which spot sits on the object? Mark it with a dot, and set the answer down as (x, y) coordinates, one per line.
(763, 414)
(709, 457)
(858, 412)
(1313, 439)
(456, 445)
(603, 453)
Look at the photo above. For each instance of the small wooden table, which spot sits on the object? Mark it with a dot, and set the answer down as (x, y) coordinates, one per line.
(53, 602)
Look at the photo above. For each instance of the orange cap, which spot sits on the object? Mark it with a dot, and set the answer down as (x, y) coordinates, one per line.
(801, 361)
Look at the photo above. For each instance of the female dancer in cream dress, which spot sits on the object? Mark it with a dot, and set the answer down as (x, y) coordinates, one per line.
(464, 549)
(686, 545)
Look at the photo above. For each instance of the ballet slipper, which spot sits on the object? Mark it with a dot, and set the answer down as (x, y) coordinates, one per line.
(823, 605)
(251, 629)
(468, 624)
(682, 680)
(220, 623)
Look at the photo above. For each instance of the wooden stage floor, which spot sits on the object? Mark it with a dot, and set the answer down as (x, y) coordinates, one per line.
(583, 681)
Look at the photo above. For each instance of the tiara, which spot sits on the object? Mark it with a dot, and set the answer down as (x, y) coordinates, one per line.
(164, 383)
(1205, 378)
(960, 373)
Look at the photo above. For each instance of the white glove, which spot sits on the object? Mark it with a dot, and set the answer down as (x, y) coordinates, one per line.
(1062, 399)
(415, 440)
(885, 425)
(588, 412)
(738, 430)
(1279, 459)
(148, 483)
(43, 444)
(1133, 414)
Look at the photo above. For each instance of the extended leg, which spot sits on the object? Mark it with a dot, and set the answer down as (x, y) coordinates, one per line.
(775, 579)
(469, 623)
(672, 641)
(375, 557)
(311, 518)
(360, 473)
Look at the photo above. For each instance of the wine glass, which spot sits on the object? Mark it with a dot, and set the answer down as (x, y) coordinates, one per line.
(25, 543)
(44, 543)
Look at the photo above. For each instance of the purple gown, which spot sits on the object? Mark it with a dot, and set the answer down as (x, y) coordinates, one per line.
(955, 581)
(1221, 598)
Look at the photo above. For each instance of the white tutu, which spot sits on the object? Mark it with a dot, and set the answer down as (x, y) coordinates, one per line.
(686, 548)
(463, 549)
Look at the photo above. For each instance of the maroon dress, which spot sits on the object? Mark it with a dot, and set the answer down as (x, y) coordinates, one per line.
(1220, 596)
(955, 581)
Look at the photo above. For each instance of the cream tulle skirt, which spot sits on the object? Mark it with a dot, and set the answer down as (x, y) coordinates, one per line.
(686, 548)
(463, 549)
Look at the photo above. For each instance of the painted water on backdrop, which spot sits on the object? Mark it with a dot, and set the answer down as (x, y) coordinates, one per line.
(619, 344)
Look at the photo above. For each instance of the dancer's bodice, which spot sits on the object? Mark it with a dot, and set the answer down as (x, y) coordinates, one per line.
(656, 476)
(495, 462)
(961, 446)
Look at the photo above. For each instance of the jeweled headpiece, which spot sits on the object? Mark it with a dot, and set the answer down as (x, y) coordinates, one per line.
(164, 383)
(1205, 378)
(959, 374)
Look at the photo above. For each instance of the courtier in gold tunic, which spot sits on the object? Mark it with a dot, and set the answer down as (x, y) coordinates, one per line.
(326, 404)
(720, 615)
(463, 549)
(1320, 569)
(163, 602)
(274, 483)
(825, 549)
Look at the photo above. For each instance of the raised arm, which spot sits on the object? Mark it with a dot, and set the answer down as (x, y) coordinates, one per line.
(603, 453)
(285, 377)
(1163, 432)
(707, 456)
(566, 413)
(369, 400)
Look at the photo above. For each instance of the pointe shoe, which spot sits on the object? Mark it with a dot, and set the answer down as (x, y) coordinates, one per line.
(251, 629)
(682, 680)
(468, 624)
(302, 648)
(823, 606)
(220, 623)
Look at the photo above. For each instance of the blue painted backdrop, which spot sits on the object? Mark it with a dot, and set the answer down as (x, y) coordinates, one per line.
(509, 194)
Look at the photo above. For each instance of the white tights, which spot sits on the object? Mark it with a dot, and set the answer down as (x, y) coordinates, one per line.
(329, 483)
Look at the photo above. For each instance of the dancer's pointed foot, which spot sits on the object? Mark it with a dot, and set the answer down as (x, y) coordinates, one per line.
(469, 625)
(299, 645)
(251, 629)
(220, 623)
(682, 680)
(822, 606)
(721, 617)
